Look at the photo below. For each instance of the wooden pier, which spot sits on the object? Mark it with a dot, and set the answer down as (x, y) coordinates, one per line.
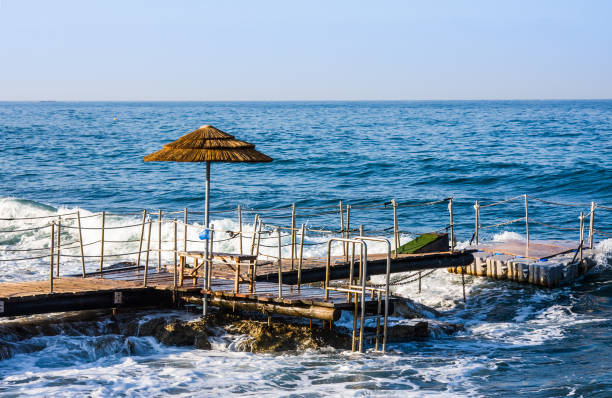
(269, 272)
(124, 287)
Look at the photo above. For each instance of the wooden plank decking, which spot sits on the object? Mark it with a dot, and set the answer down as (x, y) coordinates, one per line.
(125, 287)
(535, 250)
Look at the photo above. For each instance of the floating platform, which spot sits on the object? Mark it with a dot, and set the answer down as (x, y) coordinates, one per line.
(546, 264)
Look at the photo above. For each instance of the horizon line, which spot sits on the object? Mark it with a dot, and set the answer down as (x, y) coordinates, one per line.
(313, 100)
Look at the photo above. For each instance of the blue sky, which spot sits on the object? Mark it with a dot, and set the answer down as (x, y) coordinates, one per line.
(309, 50)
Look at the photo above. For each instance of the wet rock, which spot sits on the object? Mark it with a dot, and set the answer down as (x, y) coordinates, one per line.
(411, 330)
(279, 337)
(410, 309)
(177, 332)
(439, 328)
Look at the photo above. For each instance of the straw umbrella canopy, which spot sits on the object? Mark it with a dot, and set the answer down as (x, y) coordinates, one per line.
(208, 144)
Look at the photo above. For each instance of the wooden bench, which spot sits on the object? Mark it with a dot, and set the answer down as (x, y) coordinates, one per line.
(232, 260)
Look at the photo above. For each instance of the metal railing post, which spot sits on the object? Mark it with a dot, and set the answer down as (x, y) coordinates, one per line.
(81, 243)
(452, 224)
(280, 265)
(581, 243)
(142, 230)
(477, 222)
(185, 230)
(395, 227)
(255, 224)
(527, 222)
(348, 227)
(299, 275)
(159, 240)
(240, 228)
(59, 245)
(51, 256)
(292, 235)
(591, 225)
(175, 243)
(146, 270)
(344, 245)
(102, 244)
(174, 274)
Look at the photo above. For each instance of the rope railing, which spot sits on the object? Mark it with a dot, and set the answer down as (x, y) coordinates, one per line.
(552, 226)
(550, 202)
(421, 204)
(502, 201)
(24, 258)
(8, 231)
(502, 223)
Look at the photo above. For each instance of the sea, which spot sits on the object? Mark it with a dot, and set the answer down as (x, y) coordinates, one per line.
(58, 158)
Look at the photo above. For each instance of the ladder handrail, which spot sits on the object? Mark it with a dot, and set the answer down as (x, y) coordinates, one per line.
(364, 267)
(388, 277)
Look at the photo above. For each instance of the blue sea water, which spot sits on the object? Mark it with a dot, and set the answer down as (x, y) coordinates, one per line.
(519, 340)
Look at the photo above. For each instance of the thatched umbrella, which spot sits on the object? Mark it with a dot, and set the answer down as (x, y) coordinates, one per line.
(208, 144)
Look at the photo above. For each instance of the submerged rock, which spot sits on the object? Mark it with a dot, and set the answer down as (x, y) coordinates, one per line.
(406, 331)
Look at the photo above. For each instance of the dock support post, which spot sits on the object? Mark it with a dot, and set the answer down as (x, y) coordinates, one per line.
(477, 221)
(452, 224)
(142, 230)
(102, 243)
(395, 226)
(591, 225)
(146, 270)
(239, 210)
(185, 230)
(81, 243)
(299, 275)
(280, 265)
(51, 256)
(59, 245)
(526, 226)
(159, 240)
(292, 235)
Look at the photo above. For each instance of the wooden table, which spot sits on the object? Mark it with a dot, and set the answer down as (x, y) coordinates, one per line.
(233, 260)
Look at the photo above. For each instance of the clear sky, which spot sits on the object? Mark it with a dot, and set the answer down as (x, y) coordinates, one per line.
(306, 50)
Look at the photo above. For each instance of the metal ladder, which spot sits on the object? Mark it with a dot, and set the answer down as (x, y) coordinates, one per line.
(358, 288)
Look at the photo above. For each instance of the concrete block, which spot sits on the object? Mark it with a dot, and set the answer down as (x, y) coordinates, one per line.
(497, 266)
(550, 273)
(479, 266)
(518, 269)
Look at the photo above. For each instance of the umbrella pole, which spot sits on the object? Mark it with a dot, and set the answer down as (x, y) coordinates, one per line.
(206, 253)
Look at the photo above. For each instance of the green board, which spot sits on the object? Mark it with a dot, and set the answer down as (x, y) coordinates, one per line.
(418, 243)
